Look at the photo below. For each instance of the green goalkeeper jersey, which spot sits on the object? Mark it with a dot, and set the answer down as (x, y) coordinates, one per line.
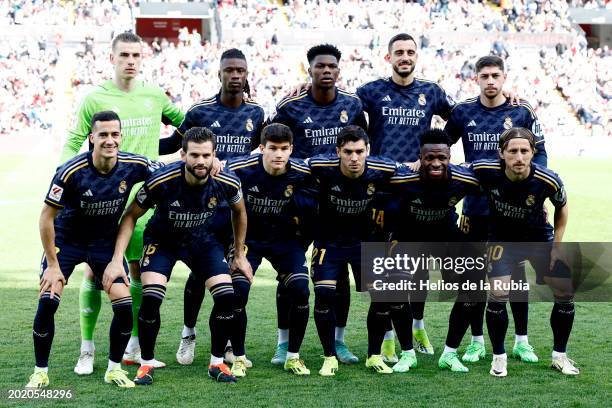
(141, 110)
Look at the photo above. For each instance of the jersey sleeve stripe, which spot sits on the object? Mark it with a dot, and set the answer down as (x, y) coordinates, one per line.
(133, 161)
(549, 178)
(73, 165)
(487, 166)
(67, 175)
(343, 92)
(53, 204)
(163, 180)
(228, 181)
(392, 170)
(402, 180)
(285, 101)
(554, 185)
(466, 179)
(301, 170)
(164, 174)
(236, 166)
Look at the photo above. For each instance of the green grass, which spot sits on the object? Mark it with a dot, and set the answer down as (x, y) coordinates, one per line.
(527, 385)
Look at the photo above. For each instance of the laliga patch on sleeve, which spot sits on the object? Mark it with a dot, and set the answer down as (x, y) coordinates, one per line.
(55, 192)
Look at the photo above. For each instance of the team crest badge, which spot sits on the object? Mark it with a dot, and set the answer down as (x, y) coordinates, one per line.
(422, 100)
(508, 123)
(289, 191)
(452, 201)
(148, 104)
(145, 261)
(249, 125)
(344, 116)
(530, 200)
(371, 189)
(122, 186)
(212, 203)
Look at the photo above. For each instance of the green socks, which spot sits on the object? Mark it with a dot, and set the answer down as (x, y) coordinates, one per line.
(89, 308)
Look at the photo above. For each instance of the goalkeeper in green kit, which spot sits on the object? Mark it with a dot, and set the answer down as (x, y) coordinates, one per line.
(140, 107)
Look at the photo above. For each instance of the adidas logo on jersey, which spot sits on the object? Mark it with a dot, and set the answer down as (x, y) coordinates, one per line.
(307, 120)
(471, 124)
(495, 192)
(254, 189)
(215, 124)
(336, 188)
(386, 99)
(175, 204)
(88, 193)
(417, 201)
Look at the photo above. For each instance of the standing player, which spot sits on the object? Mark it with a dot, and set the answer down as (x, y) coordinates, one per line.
(479, 122)
(346, 187)
(516, 188)
(269, 181)
(141, 107)
(185, 197)
(78, 224)
(316, 116)
(427, 205)
(237, 124)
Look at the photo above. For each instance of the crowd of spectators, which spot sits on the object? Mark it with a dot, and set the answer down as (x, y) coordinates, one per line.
(188, 70)
(27, 80)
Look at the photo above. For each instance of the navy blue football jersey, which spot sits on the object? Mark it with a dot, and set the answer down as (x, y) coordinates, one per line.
(517, 208)
(344, 203)
(237, 129)
(398, 115)
(268, 198)
(184, 212)
(91, 202)
(315, 127)
(430, 205)
(479, 129)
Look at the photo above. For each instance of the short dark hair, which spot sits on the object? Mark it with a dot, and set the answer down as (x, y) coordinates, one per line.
(199, 135)
(104, 116)
(516, 133)
(400, 37)
(127, 37)
(323, 49)
(489, 61)
(435, 136)
(351, 133)
(276, 133)
(233, 53)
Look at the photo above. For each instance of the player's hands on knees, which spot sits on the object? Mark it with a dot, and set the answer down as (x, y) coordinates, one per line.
(113, 271)
(557, 254)
(52, 279)
(242, 265)
(217, 167)
(512, 96)
(295, 91)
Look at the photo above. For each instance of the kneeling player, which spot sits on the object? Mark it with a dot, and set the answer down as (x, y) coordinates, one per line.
(79, 224)
(185, 198)
(269, 181)
(516, 189)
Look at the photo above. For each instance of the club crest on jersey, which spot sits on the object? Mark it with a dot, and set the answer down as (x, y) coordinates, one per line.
(452, 201)
(344, 116)
(145, 261)
(530, 200)
(371, 189)
(122, 186)
(289, 191)
(249, 125)
(508, 123)
(422, 100)
(212, 203)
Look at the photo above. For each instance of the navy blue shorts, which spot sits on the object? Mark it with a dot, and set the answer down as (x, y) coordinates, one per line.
(205, 259)
(286, 257)
(504, 260)
(475, 227)
(329, 261)
(96, 256)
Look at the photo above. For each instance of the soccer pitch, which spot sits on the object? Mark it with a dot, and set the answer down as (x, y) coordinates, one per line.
(23, 182)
